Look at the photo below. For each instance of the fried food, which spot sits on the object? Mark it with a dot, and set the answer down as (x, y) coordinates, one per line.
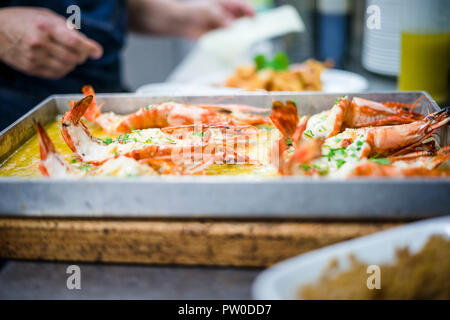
(299, 77)
(421, 275)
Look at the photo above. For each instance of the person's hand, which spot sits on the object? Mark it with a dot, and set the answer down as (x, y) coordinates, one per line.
(200, 17)
(38, 42)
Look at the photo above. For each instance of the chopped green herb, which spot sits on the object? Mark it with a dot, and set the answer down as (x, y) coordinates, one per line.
(85, 167)
(359, 143)
(309, 133)
(380, 160)
(116, 154)
(288, 141)
(74, 160)
(334, 151)
(339, 99)
(305, 167)
(146, 107)
(124, 139)
(107, 140)
(198, 134)
(340, 162)
(295, 101)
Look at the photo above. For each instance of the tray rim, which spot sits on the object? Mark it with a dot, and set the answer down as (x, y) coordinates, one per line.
(21, 188)
(4, 179)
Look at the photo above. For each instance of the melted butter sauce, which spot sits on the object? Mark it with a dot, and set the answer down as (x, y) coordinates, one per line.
(25, 160)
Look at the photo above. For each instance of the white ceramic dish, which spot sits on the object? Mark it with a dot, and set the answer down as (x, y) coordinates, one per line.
(283, 280)
(172, 88)
(333, 80)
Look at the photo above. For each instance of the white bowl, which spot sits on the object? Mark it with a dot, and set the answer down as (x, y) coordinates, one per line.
(283, 280)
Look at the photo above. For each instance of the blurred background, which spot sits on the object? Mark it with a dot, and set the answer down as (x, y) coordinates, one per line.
(362, 36)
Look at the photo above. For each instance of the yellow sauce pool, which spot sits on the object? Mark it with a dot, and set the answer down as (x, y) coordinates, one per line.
(24, 162)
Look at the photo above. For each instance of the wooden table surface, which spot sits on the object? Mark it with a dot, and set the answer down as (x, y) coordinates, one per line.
(187, 242)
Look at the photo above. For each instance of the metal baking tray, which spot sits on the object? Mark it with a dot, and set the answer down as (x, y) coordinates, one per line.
(218, 196)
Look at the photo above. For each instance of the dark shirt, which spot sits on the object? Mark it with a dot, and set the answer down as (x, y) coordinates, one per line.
(104, 21)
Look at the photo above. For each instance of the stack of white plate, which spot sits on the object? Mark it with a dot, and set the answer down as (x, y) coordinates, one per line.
(381, 47)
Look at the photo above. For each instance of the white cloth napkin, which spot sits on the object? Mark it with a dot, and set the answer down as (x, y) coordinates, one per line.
(225, 48)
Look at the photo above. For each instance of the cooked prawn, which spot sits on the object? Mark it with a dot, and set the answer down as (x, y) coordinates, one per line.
(145, 143)
(172, 114)
(52, 164)
(358, 113)
(347, 148)
(423, 167)
(405, 137)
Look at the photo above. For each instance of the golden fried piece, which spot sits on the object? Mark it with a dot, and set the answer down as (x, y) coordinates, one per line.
(421, 275)
(299, 77)
(286, 81)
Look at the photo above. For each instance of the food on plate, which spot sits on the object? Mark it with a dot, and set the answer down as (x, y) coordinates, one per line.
(421, 275)
(279, 75)
(360, 138)
(354, 138)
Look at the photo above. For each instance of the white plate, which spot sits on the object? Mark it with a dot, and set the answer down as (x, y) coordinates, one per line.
(169, 88)
(333, 80)
(283, 280)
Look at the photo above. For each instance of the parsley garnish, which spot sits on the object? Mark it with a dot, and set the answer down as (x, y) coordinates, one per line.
(198, 134)
(279, 62)
(288, 141)
(340, 162)
(321, 171)
(380, 160)
(123, 139)
(334, 151)
(305, 167)
(85, 167)
(107, 140)
(309, 133)
(339, 99)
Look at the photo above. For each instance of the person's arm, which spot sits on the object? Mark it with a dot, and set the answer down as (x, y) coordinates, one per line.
(184, 18)
(37, 42)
